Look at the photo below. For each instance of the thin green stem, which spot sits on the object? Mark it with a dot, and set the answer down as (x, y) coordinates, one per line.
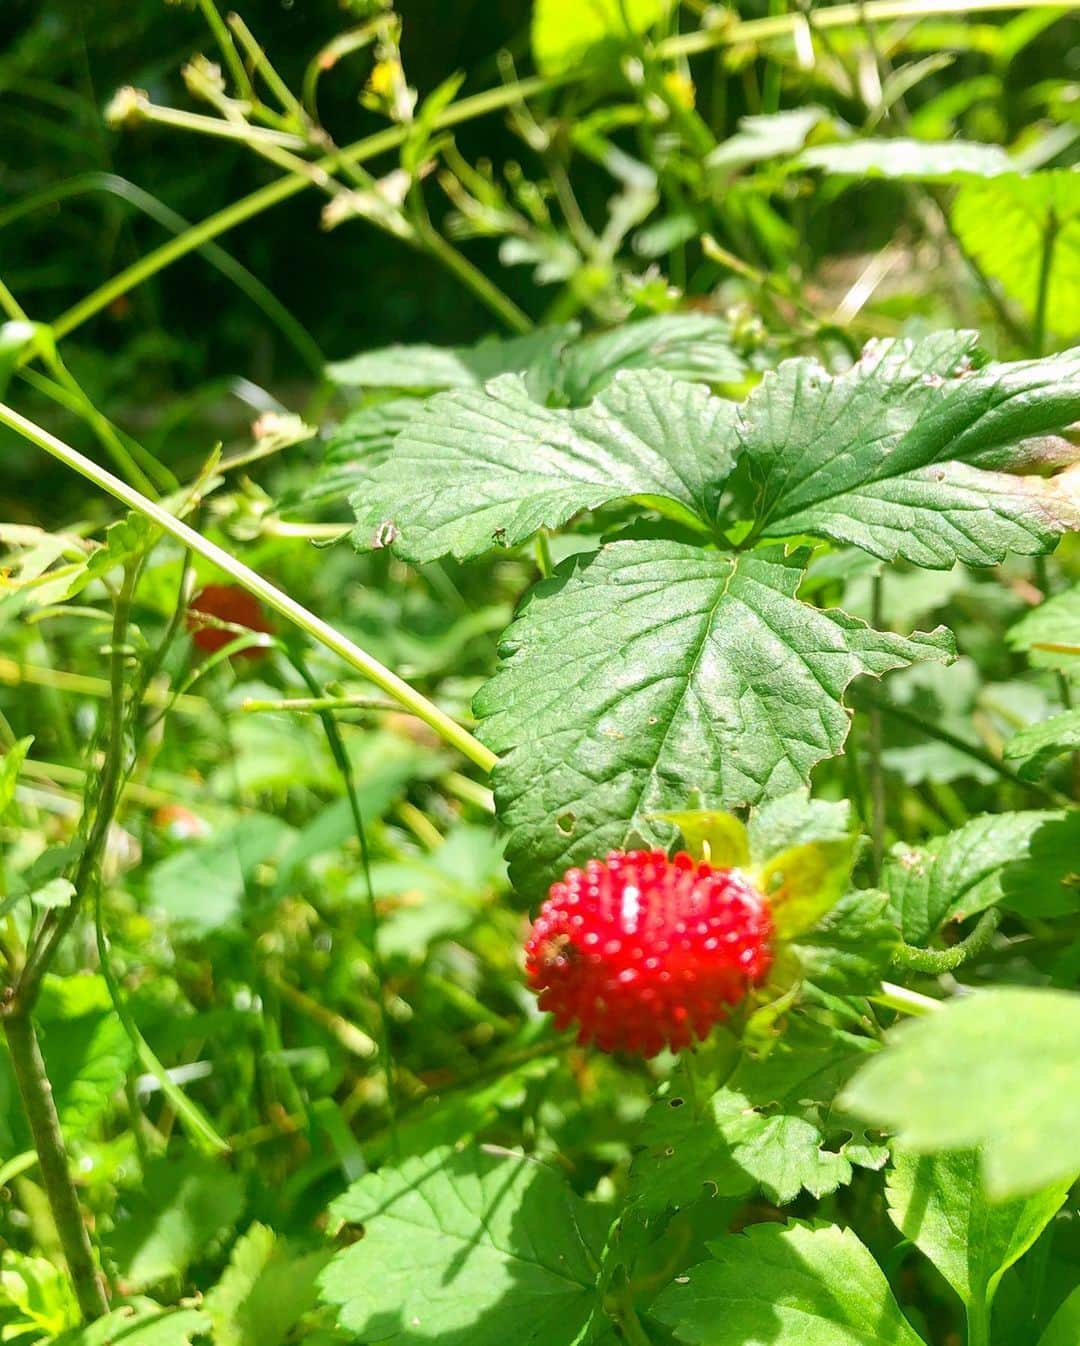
(322, 632)
(978, 1323)
(972, 750)
(1046, 263)
(936, 961)
(227, 46)
(492, 100)
(543, 555)
(344, 766)
(877, 767)
(59, 921)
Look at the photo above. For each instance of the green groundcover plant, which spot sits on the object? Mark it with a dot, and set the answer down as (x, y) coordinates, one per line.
(573, 836)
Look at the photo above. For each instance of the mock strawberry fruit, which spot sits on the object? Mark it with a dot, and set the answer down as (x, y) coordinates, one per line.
(640, 950)
(228, 603)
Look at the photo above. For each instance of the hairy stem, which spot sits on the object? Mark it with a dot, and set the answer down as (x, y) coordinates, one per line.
(945, 960)
(37, 1099)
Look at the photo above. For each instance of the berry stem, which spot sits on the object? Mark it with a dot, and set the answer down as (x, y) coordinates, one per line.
(903, 1001)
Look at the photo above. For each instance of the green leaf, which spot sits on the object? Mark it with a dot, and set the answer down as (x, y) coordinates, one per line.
(940, 1203)
(692, 346)
(1046, 882)
(772, 1126)
(467, 1248)
(202, 886)
(361, 442)
(86, 1051)
(1064, 1327)
(997, 1071)
(1037, 746)
(40, 1294)
(849, 950)
(718, 838)
(653, 670)
(917, 160)
(476, 470)
(796, 820)
(566, 34)
(264, 1291)
(140, 1323)
(1004, 223)
(954, 876)
(182, 1207)
(788, 1286)
(803, 882)
(1050, 633)
(55, 893)
(10, 766)
(766, 137)
(432, 368)
(895, 456)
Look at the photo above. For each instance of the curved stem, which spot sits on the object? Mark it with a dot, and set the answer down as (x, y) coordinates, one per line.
(322, 632)
(945, 960)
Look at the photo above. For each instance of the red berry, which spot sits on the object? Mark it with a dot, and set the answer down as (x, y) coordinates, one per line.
(642, 951)
(228, 603)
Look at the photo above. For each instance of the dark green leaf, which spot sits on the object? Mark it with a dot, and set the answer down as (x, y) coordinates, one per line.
(788, 1286)
(476, 470)
(655, 670)
(467, 1248)
(692, 346)
(895, 456)
(173, 1218)
(1046, 881)
(431, 368)
(956, 875)
(940, 1203)
(1037, 746)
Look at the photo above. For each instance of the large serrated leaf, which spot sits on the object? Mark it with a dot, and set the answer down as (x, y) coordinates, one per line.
(653, 671)
(895, 456)
(792, 1286)
(467, 1248)
(956, 875)
(997, 1071)
(475, 470)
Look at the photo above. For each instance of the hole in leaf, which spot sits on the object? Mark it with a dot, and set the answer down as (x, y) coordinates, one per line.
(676, 1102)
(566, 822)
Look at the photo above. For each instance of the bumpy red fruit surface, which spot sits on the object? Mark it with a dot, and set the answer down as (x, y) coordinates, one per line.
(228, 603)
(642, 951)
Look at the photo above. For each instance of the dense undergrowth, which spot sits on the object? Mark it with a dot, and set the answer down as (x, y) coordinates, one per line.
(748, 528)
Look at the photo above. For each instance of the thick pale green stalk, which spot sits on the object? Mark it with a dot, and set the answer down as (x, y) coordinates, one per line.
(322, 632)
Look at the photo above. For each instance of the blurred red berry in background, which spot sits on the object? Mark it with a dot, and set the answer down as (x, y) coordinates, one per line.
(228, 603)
